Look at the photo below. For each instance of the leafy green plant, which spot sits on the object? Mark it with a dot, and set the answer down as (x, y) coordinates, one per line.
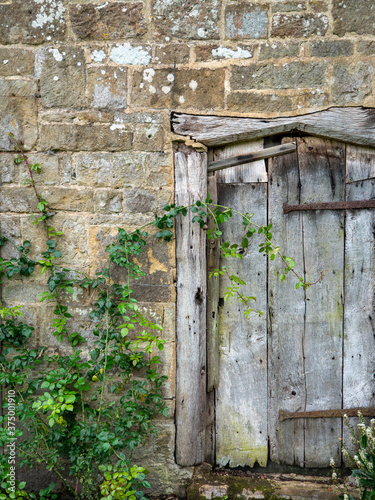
(84, 410)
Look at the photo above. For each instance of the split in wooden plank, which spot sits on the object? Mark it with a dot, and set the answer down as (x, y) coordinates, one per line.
(340, 205)
(352, 412)
(283, 149)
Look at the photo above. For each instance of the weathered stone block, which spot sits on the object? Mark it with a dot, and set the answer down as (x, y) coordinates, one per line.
(286, 76)
(356, 16)
(331, 48)
(213, 52)
(165, 197)
(108, 200)
(167, 367)
(169, 332)
(111, 170)
(68, 175)
(50, 169)
(289, 6)
(314, 99)
(96, 53)
(17, 199)
(99, 238)
(16, 62)
(62, 76)
(131, 54)
(84, 137)
(160, 168)
(32, 22)
(277, 50)
(245, 102)
(18, 112)
(107, 87)
(351, 83)
(111, 21)
(22, 293)
(147, 128)
(10, 226)
(71, 199)
(200, 89)
(190, 19)
(140, 200)
(167, 54)
(299, 25)
(246, 21)
(319, 6)
(366, 47)
(7, 168)
(164, 442)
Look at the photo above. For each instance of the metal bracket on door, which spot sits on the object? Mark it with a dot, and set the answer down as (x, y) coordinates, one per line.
(352, 412)
(334, 205)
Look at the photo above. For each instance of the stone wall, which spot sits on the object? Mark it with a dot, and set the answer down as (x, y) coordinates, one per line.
(89, 86)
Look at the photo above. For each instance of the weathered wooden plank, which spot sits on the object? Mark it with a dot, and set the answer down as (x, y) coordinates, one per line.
(286, 374)
(360, 163)
(263, 154)
(246, 172)
(333, 205)
(359, 318)
(351, 412)
(241, 397)
(322, 174)
(191, 183)
(353, 125)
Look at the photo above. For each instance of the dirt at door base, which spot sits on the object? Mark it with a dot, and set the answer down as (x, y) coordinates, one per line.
(243, 485)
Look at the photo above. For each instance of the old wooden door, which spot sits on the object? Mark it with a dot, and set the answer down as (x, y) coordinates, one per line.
(313, 349)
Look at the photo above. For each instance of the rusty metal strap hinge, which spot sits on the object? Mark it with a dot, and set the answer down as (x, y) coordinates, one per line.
(352, 412)
(334, 205)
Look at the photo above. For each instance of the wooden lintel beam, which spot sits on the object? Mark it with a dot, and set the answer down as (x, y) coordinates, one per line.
(352, 412)
(333, 205)
(258, 155)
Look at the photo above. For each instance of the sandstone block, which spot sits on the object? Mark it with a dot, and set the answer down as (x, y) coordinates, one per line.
(17, 199)
(356, 16)
(213, 52)
(244, 102)
(99, 237)
(108, 201)
(32, 22)
(108, 21)
(351, 83)
(96, 53)
(164, 443)
(167, 367)
(246, 21)
(189, 19)
(299, 25)
(140, 200)
(167, 54)
(131, 54)
(7, 168)
(70, 199)
(107, 87)
(50, 169)
(286, 76)
(16, 62)
(200, 89)
(331, 48)
(111, 170)
(319, 6)
(22, 293)
(366, 47)
(277, 50)
(66, 137)
(314, 99)
(160, 168)
(289, 6)
(18, 112)
(10, 226)
(62, 76)
(169, 323)
(147, 129)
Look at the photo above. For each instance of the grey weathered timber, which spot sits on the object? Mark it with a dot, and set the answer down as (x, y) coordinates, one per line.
(351, 412)
(360, 163)
(246, 172)
(352, 125)
(359, 339)
(322, 175)
(263, 154)
(191, 184)
(286, 320)
(333, 205)
(241, 397)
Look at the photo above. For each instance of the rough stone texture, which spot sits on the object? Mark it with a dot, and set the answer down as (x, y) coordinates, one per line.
(50, 170)
(147, 128)
(65, 137)
(10, 226)
(353, 16)
(107, 87)
(18, 112)
(332, 48)
(140, 201)
(16, 62)
(246, 21)
(108, 201)
(190, 19)
(192, 88)
(351, 83)
(245, 102)
(366, 47)
(107, 21)
(286, 76)
(299, 25)
(278, 50)
(62, 77)
(214, 52)
(7, 169)
(289, 6)
(167, 54)
(32, 22)
(17, 199)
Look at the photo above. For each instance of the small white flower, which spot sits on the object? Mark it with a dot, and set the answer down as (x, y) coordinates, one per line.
(331, 462)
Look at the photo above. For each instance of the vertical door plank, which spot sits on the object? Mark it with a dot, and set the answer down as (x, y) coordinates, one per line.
(191, 183)
(241, 397)
(359, 339)
(360, 163)
(322, 174)
(248, 172)
(286, 374)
